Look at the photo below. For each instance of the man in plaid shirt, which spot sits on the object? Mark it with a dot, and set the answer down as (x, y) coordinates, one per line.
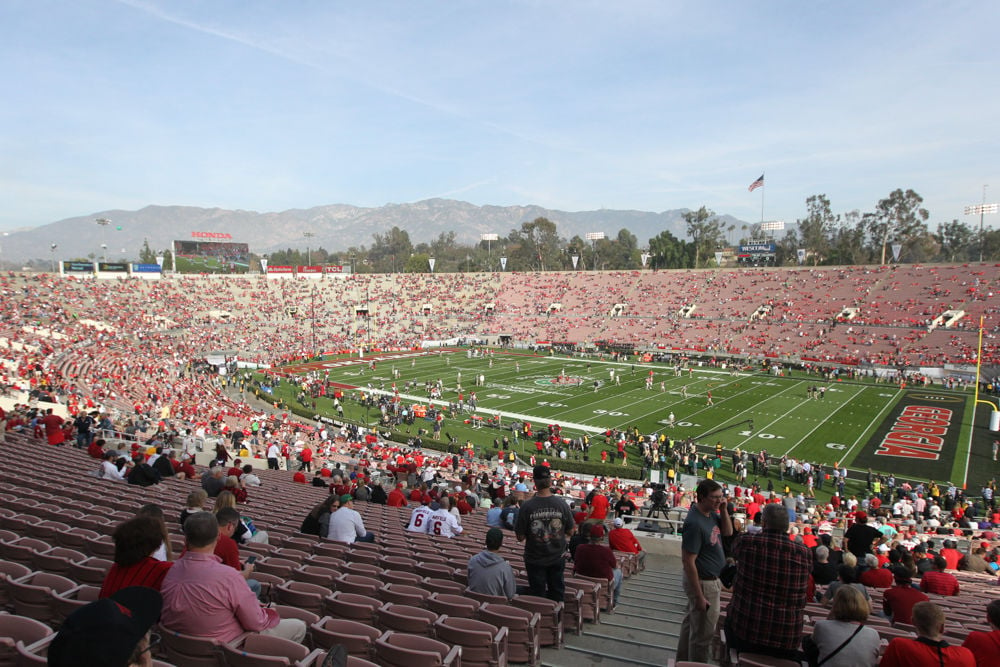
(769, 594)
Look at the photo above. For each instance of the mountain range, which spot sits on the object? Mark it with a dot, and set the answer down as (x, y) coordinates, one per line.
(334, 227)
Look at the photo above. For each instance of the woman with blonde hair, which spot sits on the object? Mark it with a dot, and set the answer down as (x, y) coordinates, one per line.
(234, 487)
(843, 640)
(195, 503)
(246, 532)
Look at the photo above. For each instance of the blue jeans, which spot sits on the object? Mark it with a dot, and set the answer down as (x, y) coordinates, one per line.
(546, 581)
(617, 585)
(369, 537)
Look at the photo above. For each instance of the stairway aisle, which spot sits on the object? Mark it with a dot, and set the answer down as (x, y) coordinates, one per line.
(643, 630)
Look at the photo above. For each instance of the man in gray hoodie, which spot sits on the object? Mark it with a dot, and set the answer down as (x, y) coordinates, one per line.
(489, 572)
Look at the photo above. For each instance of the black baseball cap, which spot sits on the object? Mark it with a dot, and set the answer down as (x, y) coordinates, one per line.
(105, 633)
(541, 472)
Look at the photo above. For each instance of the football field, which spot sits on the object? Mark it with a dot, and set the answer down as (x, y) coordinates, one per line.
(912, 432)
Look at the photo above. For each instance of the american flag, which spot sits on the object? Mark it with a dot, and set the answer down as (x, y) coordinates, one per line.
(759, 183)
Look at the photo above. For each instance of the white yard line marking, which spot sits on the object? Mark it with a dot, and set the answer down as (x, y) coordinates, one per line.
(877, 420)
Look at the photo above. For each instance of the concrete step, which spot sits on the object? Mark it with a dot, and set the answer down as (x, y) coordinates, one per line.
(642, 631)
(597, 646)
(642, 618)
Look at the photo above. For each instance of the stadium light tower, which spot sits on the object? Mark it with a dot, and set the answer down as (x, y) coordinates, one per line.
(489, 238)
(104, 223)
(52, 253)
(594, 237)
(981, 209)
(308, 235)
(104, 251)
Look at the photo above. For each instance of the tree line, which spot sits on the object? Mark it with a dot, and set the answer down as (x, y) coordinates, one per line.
(897, 221)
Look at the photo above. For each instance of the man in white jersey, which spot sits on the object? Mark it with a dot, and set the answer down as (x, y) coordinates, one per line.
(443, 522)
(420, 519)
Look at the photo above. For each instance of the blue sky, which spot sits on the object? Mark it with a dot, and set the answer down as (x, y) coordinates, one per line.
(572, 105)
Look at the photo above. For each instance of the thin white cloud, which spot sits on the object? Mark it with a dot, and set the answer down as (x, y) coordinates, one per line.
(464, 188)
(356, 65)
(159, 13)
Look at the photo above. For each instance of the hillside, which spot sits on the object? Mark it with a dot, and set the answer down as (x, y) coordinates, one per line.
(335, 226)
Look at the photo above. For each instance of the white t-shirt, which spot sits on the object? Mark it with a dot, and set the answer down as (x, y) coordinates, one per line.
(346, 525)
(443, 523)
(420, 519)
(110, 471)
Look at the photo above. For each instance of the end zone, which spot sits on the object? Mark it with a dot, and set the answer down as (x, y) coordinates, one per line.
(918, 438)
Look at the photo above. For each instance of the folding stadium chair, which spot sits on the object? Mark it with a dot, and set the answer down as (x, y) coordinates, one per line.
(590, 607)
(550, 627)
(46, 530)
(357, 638)
(279, 567)
(522, 629)
(22, 550)
(32, 595)
(447, 586)
(75, 538)
(397, 563)
(396, 649)
(302, 595)
(453, 605)
(364, 569)
(10, 570)
(101, 546)
(255, 650)
(483, 645)
(57, 560)
(572, 613)
(434, 569)
(403, 594)
(328, 548)
(401, 577)
(483, 597)
(296, 555)
(33, 654)
(191, 651)
(14, 629)
(65, 603)
(91, 571)
(405, 618)
(301, 541)
(364, 557)
(315, 574)
(329, 562)
(357, 584)
(351, 606)
(606, 591)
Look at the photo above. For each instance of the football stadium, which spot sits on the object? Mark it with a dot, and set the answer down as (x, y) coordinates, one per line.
(476, 334)
(777, 383)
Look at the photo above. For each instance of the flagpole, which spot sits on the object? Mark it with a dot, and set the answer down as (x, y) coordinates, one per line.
(762, 187)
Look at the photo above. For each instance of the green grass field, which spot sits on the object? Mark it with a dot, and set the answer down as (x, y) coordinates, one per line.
(207, 264)
(842, 427)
